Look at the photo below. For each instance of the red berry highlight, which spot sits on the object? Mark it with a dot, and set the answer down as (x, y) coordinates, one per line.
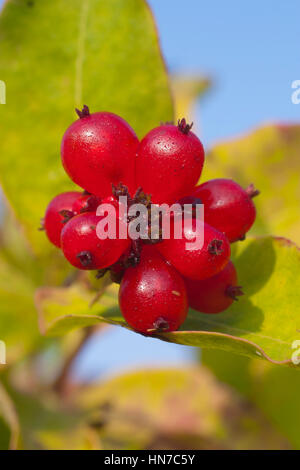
(82, 247)
(59, 211)
(198, 262)
(152, 295)
(169, 162)
(228, 207)
(100, 149)
(215, 294)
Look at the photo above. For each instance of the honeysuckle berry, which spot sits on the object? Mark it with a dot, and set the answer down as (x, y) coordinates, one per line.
(152, 295)
(196, 262)
(215, 294)
(58, 212)
(169, 162)
(84, 249)
(100, 149)
(228, 207)
(158, 276)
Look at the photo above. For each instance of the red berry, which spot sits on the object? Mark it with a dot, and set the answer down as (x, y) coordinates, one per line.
(100, 149)
(82, 247)
(197, 262)
(228, 207)
(169, 162)
(86, 203)
(57, 213)
(152, 295)
(215, 294)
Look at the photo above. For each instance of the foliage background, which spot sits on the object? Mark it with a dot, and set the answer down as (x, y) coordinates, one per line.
(249, 83)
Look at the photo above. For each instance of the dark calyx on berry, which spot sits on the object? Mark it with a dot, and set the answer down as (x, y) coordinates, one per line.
(119, 190)
(251, 191)
(84, 112)
(85, 258)
(159, 326)
(184, 127)
(66, 215)
(90, 204)
(215, 247)
(234, 292)
(140, 197)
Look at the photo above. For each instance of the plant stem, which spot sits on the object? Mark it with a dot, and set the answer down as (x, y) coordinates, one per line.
(62, 382)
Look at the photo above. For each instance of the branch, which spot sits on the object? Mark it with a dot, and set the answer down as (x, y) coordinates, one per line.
(62, 382)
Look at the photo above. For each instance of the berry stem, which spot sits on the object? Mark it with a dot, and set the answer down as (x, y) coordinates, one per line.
(101, 273)
(134, 256)
(42, 224)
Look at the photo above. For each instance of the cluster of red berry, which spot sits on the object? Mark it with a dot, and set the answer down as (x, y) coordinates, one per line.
(159, 278)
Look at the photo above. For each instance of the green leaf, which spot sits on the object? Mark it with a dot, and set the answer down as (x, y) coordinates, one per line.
(263, 323)
(274, 389)
(47, 424)
(149, 410)
(62, 309)
(269, 158)
(9, 415)
(104, 54)
(18, 325)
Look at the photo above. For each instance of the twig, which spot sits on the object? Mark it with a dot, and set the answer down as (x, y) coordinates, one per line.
(61, 383)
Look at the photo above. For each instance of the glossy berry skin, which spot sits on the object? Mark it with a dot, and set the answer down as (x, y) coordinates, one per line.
(215, 294)
(227, 207)
(169, 163)
(152, 295)
(86, 203)
(54, 219)
(202, 260)
(82, 247)
(100, 149)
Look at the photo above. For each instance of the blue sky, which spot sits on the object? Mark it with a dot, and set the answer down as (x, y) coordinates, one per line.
(250, 50)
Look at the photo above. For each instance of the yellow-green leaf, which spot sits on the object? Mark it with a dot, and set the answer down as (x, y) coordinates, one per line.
(263, 323)
(274, 389)
(9, 415)
(62, 309)
(58, 54)
(18, 325)
(269, 158)
(150, 410)
(46, 424)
